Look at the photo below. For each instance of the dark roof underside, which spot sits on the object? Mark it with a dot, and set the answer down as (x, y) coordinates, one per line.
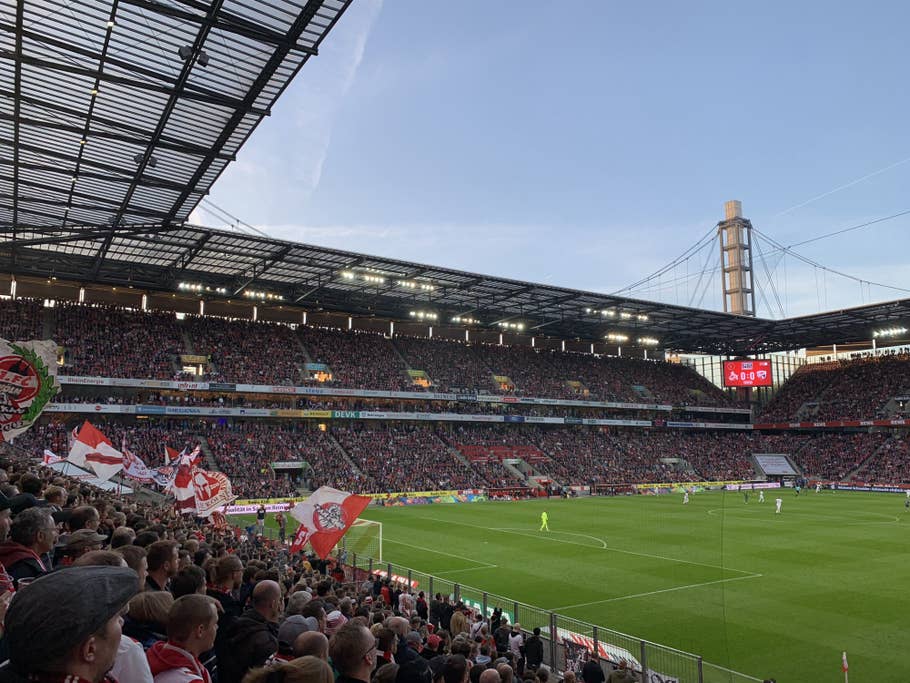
(159, 258)
(121, 112)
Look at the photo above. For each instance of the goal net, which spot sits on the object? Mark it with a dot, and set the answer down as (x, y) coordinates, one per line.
(363, 539)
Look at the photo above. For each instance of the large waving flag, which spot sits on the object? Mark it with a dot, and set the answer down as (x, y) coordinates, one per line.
(197, 491)
(28, 381)
(93, 449)
(135, 468)
(49, 457)
(325, 517)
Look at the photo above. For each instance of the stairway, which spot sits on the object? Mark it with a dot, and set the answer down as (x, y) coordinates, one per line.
(859, 468)
(208, 457)
(343, 453)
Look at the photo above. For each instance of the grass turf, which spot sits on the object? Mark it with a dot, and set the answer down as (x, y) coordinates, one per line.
(764, 594)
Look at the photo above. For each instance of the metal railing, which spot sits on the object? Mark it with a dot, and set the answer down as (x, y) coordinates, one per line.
(567, 641)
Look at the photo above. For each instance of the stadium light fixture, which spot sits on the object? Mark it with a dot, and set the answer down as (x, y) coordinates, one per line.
(463, 320)
(617, 337)
(642, 317)
(512, 326)
(648, 341)
(347, 275)
(424, 315)
(890, 332)
(625, 315)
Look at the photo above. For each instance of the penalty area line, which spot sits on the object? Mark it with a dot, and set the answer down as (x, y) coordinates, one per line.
(483, 565)
(658, 592)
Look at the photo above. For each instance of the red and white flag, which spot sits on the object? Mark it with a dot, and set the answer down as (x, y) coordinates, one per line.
(183, 490)
(135, 468)
(325, 517)
(844, 667)
(212, 490)
(50, 457)
(94, 449)
(199, 492)
(171, 456)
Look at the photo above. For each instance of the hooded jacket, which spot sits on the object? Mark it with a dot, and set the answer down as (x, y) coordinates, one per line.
(172, 664)
(250, 640)
(20, 561)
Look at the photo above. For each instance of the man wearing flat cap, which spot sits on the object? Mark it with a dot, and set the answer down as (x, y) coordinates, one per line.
(83, 541)
(79, 644)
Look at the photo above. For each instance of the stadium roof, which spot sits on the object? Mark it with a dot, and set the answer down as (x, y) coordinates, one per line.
(119, 112)
(160, 258)
(116, 116)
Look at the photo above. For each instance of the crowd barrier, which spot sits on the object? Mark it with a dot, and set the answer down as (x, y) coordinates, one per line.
(568, 642)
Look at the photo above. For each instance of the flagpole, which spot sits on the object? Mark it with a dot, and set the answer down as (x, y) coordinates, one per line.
(846, 668)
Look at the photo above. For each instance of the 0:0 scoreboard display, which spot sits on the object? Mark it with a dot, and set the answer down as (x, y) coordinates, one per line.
(747, 373)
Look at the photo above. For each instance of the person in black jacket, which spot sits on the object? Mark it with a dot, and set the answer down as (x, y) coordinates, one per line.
(253, 636)
(534, 650)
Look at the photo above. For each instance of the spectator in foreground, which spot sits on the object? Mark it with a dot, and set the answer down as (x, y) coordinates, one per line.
(80, 643)
(32, 535)
(253, 637)
(191, 627)
(353, 652)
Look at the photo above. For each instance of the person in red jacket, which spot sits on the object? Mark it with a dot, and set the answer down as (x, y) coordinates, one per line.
(191, 627)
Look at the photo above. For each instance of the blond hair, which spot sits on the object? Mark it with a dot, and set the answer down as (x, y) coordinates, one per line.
(301, 670)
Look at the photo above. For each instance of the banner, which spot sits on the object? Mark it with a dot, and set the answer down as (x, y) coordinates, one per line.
(92, 448)
(325, 517)
(135, 468)
(28, 381)
(50, 458)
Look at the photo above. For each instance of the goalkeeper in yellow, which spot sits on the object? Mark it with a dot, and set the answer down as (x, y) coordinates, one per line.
(543, 521)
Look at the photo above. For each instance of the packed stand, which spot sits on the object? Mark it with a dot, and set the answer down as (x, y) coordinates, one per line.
(450, 365)
(21, 319)
(833, 456)
(854, 389)
(109, 341)
(247, 351)
(891, 464)
(357, 359)
(529, 371)
(403, 458)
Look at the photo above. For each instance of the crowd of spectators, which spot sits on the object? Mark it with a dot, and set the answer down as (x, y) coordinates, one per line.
(110, 341)
(21, 319)
(357, 359)
(139, 594)
(833, 456)
(247, 351)
(401, 457)
(891, 464)
(450, 365)
(857, 388)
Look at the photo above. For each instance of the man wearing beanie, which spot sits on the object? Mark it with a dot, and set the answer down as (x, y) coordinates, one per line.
(80, 643)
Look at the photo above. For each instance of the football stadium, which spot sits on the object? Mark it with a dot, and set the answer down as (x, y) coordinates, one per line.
(229, 457)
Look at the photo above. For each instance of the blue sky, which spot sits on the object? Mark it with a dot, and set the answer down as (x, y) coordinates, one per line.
(587, 144)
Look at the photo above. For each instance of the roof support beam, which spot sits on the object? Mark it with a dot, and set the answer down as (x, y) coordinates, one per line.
(224, 22)
(17, 89)
(259, 270)
(197, 94)
(268, 70)
(182, 147)
(184, 260)
(105, 177)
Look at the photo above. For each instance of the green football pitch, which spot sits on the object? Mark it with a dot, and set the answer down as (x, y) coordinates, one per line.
(761, 593)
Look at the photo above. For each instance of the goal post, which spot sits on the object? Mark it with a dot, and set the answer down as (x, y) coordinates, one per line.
(363, 539)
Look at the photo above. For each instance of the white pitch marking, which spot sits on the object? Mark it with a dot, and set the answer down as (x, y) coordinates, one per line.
(545, 537)
(486, 565)
(469, 569)
(603, 544)
(663, 590)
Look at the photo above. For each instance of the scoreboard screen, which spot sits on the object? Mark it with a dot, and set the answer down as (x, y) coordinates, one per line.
(747, 373)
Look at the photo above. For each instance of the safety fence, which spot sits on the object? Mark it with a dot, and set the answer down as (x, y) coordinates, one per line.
(568, 642)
